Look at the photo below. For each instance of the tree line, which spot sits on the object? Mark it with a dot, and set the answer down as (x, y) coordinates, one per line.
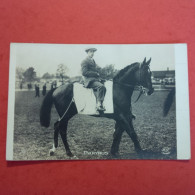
(30, 75)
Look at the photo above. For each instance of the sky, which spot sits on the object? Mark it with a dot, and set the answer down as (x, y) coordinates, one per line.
(46, 57)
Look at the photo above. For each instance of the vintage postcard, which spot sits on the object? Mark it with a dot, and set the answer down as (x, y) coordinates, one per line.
(98, 101)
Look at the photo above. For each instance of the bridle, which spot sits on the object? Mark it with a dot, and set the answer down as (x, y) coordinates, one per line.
(138, 85)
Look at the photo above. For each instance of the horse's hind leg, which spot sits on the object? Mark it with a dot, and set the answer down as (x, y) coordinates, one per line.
(117, 138)
(63, 133)
(62, 128)
(56, 133)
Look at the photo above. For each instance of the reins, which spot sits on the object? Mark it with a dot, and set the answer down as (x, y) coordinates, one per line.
(140, 87)
(124, 84)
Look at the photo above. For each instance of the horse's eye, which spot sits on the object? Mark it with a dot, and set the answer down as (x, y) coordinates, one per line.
(149, 70)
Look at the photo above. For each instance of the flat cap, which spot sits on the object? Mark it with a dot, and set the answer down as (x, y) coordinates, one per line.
(91, 48)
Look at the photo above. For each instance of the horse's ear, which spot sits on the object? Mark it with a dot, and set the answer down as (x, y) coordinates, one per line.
(148, 62)
(144, 60)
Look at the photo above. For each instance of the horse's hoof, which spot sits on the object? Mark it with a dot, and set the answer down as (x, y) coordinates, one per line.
(51, 152)
(114, 154)
(69, 154)
(74, 157)
(142, 153)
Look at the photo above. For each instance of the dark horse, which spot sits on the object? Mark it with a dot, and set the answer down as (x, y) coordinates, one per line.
(168, 101)
(136, 74)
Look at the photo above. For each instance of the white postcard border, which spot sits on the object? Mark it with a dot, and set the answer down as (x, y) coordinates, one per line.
(11, 103)
(182, 103)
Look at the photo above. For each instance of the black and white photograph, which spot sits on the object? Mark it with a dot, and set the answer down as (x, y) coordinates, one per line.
(98, 101)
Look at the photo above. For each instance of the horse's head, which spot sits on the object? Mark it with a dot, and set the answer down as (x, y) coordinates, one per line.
(144, 76)
(135, 74)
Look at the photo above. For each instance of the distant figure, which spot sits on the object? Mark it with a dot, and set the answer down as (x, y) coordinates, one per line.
(51, 86)
(37, 90)
(44, 90)
(21, 86)
(29, 86)
(55, 84)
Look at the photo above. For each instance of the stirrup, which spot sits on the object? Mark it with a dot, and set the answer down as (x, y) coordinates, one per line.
(100, 108)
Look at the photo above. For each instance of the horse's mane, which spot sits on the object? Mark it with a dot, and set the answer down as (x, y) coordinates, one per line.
(130, 68)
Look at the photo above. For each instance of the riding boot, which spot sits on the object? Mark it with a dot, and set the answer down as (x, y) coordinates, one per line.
(100, 106)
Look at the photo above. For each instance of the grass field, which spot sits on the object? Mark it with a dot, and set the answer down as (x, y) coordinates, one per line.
(90, 137)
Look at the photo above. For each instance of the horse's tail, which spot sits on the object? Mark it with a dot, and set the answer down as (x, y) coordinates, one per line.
(168, 102)
(45, 112)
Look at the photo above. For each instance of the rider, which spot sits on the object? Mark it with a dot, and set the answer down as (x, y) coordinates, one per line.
(91, 78)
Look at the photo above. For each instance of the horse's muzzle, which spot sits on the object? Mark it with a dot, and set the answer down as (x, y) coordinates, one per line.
(150, 92)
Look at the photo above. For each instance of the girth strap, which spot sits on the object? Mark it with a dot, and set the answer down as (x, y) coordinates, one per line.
(66, 110)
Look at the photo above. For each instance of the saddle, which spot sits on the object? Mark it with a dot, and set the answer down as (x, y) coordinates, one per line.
(85, 99)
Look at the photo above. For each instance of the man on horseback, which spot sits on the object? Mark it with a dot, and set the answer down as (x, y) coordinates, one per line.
(91, 78)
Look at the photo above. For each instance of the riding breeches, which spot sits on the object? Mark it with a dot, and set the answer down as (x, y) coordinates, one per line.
(99, 90)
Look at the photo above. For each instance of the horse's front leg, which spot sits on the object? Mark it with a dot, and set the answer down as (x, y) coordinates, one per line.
(126, 124)
(133, 116)
(117, 138)
(131, 132)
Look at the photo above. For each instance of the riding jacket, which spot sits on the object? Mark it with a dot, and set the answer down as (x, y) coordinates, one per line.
(89, 71)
